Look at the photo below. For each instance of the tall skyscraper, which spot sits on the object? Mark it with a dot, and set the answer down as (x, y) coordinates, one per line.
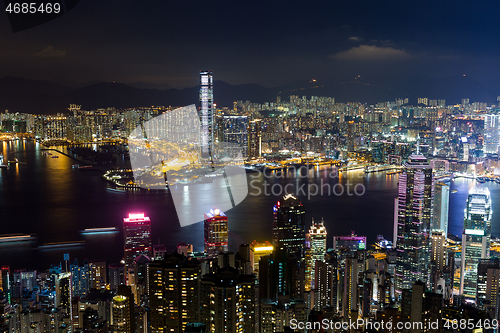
(317, 251)
(441, 207)
(260, 250)
(414, 218)
(137, 237)
(476, 238)
(289, 226)
(235, 135)
(81, 277)
(121, 314)
(216, 232)
(123, 310)
(63, 290)
(491, 133)
(228, 301)
(174, 293)
(488, 286)
(206, 113)
(254, 138)
(438, 249)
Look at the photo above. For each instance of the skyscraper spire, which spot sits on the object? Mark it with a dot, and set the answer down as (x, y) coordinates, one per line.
(418, 144)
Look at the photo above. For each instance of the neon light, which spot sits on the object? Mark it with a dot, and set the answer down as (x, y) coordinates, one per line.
(474, 232)
(136, 215)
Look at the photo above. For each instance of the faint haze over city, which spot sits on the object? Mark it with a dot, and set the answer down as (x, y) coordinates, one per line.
(161, 44)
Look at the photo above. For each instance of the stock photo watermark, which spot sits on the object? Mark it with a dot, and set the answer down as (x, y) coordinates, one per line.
(264, 183)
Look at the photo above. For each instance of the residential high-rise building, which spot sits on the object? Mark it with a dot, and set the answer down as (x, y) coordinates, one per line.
(123, 310)
(140, 290)
(174, 293)
(281, 277)
(137, 237)
(81, 277)
(421, 307)
(325, 283)
(488, 286)
(216, 232)
(413, 224)
(441, 207)
(476, 238)
(228, 301)
(116, 275)
(289, 226)
(63, 290)
(206, 113)
(121, 314)
(97, 274)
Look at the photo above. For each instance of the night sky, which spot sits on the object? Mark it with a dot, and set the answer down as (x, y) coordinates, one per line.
(265, 42)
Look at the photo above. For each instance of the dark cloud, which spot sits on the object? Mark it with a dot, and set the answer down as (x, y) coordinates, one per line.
(372, 52)
(50, 52)
(269, 43)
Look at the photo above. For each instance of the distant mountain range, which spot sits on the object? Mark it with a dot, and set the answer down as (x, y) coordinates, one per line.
(44, 97)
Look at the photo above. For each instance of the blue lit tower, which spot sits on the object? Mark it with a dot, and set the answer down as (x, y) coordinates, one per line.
(413, 223)
(289, 226)
(206, 113)
(476, 239)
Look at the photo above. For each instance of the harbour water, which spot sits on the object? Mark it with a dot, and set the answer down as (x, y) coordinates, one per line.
(48, 198)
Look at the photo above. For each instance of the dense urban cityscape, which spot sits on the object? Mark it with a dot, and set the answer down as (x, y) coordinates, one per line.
(421, 275)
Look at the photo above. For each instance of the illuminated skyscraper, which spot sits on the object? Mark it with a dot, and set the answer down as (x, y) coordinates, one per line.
(121, 314)
(216, 232)
(289, 226)
(476, 239)
(413, 223)
(63, 290)
(488, 286)
(137, 237)
(174, 293)
(228, 301)
(316, 248)
(260, 250)
(81, 277)
(254, 139)
(441, 207)
(206, 113)
(235, 135)
(491, 133)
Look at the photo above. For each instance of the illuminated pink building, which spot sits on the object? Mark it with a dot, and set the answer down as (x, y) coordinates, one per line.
(137, 237)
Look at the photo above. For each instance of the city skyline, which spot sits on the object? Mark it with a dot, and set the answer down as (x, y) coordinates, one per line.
(367, 140)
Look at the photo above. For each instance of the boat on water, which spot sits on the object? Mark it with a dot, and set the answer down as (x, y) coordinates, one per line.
(55, 156)
(94, 231)
(85, 167)
(15, 238)
(57, 245)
